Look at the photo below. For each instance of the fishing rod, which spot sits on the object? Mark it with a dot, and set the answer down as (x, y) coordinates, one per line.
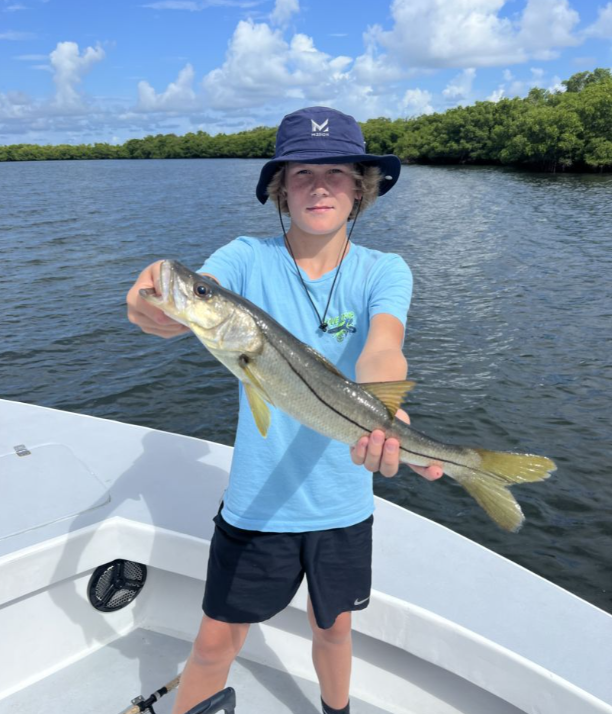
(223, 701)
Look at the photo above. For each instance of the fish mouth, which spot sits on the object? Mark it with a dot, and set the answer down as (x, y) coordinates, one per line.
(169, 297)
(149, 294)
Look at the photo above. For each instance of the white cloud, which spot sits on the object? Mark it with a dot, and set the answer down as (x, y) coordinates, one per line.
(448, 33)
(15, 106)
(372, 68)
(18, 98)
(460, 33)
(546, 26)
(602, 27)
(283, 11)
(520, 87)
(254, 68)
(460, 87)
(555, 85)
(497, 94)
(66, 113)
(508, 76)
(179, 96)
(416, 102)
(70, 66)
(260, 65)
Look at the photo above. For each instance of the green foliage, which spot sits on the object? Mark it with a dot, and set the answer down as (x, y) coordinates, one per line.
(546, 130)
(256, 143)
(550, 131)
(578, 82)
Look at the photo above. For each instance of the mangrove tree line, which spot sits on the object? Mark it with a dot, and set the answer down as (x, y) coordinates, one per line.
(559, 130)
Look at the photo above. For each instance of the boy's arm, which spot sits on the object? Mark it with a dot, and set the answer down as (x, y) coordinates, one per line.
(382, 360)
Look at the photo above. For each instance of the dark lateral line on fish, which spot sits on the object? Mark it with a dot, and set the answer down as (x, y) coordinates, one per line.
(402, 448)
(340, 414)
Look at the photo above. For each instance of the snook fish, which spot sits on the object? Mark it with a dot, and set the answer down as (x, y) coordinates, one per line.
(278, 369)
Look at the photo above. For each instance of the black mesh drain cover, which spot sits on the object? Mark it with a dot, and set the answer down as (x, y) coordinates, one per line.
(114, 585)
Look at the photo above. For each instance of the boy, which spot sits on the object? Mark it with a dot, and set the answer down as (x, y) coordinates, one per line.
(295, 496)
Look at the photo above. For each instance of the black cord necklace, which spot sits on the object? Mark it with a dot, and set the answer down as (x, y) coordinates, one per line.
(322, 323)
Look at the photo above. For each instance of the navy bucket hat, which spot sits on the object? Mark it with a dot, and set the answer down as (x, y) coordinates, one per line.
(319, 135)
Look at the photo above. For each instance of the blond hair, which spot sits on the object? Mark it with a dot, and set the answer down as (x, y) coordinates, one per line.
(367, 181)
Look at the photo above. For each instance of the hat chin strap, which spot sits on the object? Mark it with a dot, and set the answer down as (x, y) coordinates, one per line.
(322, 324)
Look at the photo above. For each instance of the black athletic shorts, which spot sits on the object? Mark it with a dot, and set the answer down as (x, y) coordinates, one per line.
(253, 575)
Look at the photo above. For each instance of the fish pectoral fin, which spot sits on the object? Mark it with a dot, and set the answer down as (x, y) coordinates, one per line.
(391, 394)
(245, 363)
(259, 408)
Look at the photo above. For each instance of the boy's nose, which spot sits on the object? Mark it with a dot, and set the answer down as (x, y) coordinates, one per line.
(319, 190)
(319, 186)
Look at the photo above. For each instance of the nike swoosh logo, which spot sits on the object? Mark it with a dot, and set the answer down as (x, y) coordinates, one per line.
(360, 602)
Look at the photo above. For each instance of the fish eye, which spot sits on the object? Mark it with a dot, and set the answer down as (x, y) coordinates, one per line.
(202, 291)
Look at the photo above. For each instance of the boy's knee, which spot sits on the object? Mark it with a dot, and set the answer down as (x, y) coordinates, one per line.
(338, 633)
(218, 642)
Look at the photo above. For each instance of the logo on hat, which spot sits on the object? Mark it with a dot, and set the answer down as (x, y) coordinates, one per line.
(320, 129)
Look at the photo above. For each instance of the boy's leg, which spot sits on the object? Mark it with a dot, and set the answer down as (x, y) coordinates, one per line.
(215, 648)
(338, 564)
(332, 657)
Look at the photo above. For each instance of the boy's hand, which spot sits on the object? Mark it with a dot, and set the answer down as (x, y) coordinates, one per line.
(378, 454)
(149, 318)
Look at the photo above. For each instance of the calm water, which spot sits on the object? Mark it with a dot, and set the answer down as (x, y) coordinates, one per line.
(508, 338)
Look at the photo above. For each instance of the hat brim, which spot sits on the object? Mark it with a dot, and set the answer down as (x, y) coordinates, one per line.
(389, 165)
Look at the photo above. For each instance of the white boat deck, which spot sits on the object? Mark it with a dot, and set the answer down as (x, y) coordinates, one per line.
(456, 626)
(143, 661)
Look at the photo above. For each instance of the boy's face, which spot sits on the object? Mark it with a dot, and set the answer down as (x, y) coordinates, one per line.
(320, 197)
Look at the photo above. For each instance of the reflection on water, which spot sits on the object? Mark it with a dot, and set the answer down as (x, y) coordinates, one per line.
(508, 335)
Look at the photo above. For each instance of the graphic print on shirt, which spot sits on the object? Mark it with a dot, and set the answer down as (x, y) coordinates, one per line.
(341, 326)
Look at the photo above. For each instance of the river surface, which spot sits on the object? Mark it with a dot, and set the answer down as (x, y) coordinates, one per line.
(508, 335)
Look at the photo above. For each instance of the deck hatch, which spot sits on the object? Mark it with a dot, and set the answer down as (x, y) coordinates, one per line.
(51, 484)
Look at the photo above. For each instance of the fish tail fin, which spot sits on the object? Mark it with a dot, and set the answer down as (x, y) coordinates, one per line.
(488, 483)
(515, 468)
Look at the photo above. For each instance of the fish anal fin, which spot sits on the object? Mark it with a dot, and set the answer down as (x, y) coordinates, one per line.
(259, 408)
(391, 394)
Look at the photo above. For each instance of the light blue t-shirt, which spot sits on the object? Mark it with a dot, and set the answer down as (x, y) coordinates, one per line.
(295, 479)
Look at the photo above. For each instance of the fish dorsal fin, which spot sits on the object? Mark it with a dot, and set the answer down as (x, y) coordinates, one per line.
(259, 408)
(391, 394)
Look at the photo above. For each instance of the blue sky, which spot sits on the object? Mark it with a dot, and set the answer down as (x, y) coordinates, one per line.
(81, 71)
